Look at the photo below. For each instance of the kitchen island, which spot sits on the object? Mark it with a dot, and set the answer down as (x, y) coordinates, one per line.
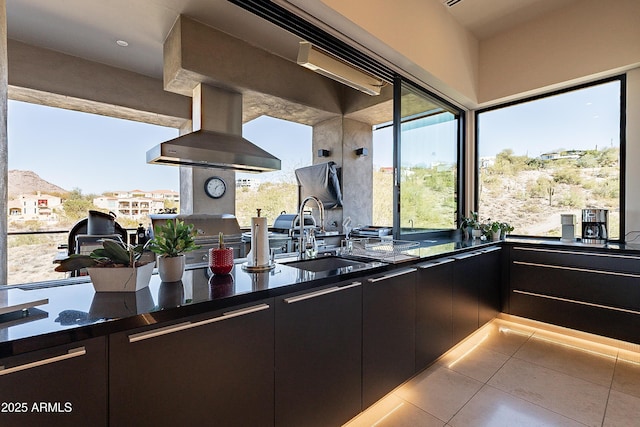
(76, 311)
(209, 347)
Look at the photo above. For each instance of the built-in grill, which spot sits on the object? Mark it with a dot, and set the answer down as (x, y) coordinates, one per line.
(290, 223)
(208, 227)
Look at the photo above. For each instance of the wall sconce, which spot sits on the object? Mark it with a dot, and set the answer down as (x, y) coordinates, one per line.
(323, 153)
(362, 152)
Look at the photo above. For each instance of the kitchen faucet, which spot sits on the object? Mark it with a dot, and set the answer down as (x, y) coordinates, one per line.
(301, 242)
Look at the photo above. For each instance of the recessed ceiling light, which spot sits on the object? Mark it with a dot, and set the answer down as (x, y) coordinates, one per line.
(122, 43)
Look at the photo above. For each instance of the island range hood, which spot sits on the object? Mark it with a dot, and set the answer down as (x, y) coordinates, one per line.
(218, 143)
(210, 149)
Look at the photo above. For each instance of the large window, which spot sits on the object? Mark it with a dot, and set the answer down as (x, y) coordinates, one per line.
(63, 163)
(553, 155)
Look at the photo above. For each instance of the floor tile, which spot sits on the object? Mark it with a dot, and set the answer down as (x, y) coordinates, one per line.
(579, 342)
(572, 397)
(439, 391)
(534, 375)
(491, 407)
(392, 411)
(505, 337)
(626, 378)
(587, 364)
(476, 363)
(622, 410)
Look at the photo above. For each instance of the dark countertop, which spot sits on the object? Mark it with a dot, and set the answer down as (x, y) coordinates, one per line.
(75, 311)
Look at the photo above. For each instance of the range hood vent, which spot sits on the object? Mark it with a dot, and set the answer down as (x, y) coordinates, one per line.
(209, 149)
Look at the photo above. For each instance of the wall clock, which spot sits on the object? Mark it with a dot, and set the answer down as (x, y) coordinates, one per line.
(215, 187)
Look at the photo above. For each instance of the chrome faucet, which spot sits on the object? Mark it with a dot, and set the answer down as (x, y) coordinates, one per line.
(301, 242)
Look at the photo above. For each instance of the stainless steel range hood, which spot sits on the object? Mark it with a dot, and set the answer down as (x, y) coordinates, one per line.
(217, 141)
(209, 149)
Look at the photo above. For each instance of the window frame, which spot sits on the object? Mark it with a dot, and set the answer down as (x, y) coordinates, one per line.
(622, 78)
(398, 83)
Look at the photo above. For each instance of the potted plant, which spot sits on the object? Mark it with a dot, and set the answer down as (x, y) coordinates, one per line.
(115, 267)
(470, 223)
(495, 230)
(170, 242)
(506, 228)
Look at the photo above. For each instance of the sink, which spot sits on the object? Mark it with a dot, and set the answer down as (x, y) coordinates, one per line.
(325, 264)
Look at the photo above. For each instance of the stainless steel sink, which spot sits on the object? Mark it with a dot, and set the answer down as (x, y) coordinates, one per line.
(325, 264)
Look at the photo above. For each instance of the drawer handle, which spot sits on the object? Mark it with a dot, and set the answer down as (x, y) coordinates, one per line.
(320, 293)
(74, 352)
(188, 325)
(389, 276)
(469, 255)
(488, 251)
(434, 264)
(586, 270)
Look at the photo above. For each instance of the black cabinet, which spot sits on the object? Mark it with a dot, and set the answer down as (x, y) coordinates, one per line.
(595, 292)
(465, 294)
(476, 290)
(489, 285)
(388, 333)
(61, 386)
(215, 369)
(318, 353)
(434, 315)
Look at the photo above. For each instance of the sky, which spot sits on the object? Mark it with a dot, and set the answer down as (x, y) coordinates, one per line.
(97, 154)
(581, 119)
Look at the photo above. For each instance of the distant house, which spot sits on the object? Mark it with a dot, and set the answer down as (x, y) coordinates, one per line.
(132, 207)
(136, 203)
(566, 154)
(34, 207)
(247, 183)
(486, 162)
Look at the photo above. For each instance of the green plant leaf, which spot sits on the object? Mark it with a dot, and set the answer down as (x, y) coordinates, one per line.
(75, 262)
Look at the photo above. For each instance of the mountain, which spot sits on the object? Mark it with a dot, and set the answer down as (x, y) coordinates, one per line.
(28, 182)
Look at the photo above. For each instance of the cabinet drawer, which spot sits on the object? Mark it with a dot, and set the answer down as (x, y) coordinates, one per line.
(617, 290)
(318, 356)
(211, 368)
(61, 386)
(610, 323)
(578, 259)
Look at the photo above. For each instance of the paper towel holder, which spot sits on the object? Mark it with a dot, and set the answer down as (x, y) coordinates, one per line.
(253, 267)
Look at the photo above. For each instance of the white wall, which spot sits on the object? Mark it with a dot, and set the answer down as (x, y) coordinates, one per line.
(586, 40)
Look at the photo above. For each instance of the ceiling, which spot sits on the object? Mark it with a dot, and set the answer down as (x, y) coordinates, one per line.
(485, 18)
(90, 28)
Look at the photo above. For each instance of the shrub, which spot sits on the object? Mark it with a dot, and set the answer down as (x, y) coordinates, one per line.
(572, 199)
(567, 176)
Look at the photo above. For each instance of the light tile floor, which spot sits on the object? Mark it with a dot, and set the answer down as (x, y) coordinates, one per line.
(517, 372)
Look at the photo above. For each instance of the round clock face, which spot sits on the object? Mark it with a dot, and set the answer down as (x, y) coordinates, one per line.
(215, 187)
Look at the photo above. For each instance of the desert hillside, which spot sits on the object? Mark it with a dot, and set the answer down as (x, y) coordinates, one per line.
(28, 182)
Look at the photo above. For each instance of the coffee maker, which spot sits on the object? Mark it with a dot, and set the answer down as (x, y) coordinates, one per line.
(595, 224)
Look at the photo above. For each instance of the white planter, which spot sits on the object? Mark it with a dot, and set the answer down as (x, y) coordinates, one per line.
(171, 269)
(495, 235)
(120, 279)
